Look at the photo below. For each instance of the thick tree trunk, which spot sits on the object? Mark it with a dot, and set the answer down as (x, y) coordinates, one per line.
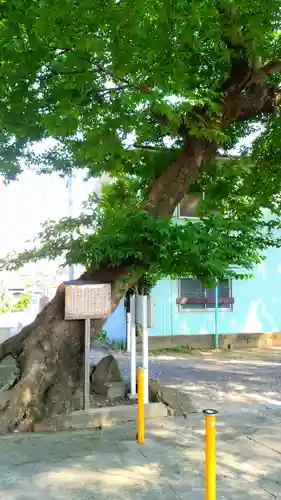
(169, 189)
(49, 357)
(49, 351)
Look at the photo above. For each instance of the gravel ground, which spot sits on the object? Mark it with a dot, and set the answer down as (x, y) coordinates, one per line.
(97, 401)
(225, 378)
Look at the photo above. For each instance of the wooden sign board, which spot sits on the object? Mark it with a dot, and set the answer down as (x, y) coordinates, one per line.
(87, 301)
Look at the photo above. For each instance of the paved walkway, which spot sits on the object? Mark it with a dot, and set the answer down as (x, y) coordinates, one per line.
(108, 464)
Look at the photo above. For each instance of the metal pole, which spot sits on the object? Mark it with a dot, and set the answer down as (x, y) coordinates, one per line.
(140, 432)
(128, 324)
(145, 348)
(86, 395)
(133, 394)
(70, 214)
(217, 317)
(210, 453)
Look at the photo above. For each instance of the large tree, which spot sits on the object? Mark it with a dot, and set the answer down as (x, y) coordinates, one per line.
(148, 92)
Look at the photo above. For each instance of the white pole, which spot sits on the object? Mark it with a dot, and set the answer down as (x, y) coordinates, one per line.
(86, 395)
(145, 348)
(133, 394)
(128, 326)
(70, 214)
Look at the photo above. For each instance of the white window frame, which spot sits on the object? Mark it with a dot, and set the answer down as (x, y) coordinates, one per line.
(181, 309)
(184, 216)
(178, 216)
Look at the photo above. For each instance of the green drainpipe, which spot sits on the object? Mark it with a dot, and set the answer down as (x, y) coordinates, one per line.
(216, 317)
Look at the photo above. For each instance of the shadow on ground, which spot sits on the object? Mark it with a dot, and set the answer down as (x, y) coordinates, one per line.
(170, 465)
(222, 378)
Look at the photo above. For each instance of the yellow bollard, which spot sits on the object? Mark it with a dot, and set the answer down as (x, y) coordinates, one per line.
(140, 432)
(210, 453)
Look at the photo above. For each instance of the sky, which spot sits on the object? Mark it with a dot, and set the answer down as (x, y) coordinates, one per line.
(26, 203)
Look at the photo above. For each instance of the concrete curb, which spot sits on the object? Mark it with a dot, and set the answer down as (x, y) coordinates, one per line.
(97, 417)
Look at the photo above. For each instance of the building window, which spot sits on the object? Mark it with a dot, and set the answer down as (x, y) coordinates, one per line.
(188, 207)
(194, 296)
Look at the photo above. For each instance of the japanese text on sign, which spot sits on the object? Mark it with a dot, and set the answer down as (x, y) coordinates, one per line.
(87, 301)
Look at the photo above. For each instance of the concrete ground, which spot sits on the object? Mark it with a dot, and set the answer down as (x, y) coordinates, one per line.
(108, 464)
(227, 380)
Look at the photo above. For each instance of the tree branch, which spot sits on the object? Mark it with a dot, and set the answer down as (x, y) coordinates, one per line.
(111, 74)
(127, 84)
(267, 70)
(169, 188)
(259, 98)
(143, 147)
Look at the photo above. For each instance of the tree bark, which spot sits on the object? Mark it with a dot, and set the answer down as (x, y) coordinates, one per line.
(49, 358)
(49, 352)
(169, 189)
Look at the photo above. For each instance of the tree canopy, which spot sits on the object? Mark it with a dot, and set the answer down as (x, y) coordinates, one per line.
(151, 93)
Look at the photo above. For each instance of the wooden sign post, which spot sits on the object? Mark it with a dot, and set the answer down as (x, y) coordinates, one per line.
(87, 301)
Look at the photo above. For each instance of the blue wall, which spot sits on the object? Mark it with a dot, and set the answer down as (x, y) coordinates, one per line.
(115, 326)
(256, 309)
(257, 306)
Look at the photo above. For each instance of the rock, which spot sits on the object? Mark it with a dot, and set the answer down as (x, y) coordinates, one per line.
(177, 402)
(112, 390)
(105, 372)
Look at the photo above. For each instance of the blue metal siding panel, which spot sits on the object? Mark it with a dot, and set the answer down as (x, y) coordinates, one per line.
(162, 309)
(257, 307)
(115, 325)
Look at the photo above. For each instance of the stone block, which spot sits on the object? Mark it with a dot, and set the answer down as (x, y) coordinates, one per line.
(226, 341)
(177, 402)
(113, 414)
(106, 371)
(101, 417)
(113, 390)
